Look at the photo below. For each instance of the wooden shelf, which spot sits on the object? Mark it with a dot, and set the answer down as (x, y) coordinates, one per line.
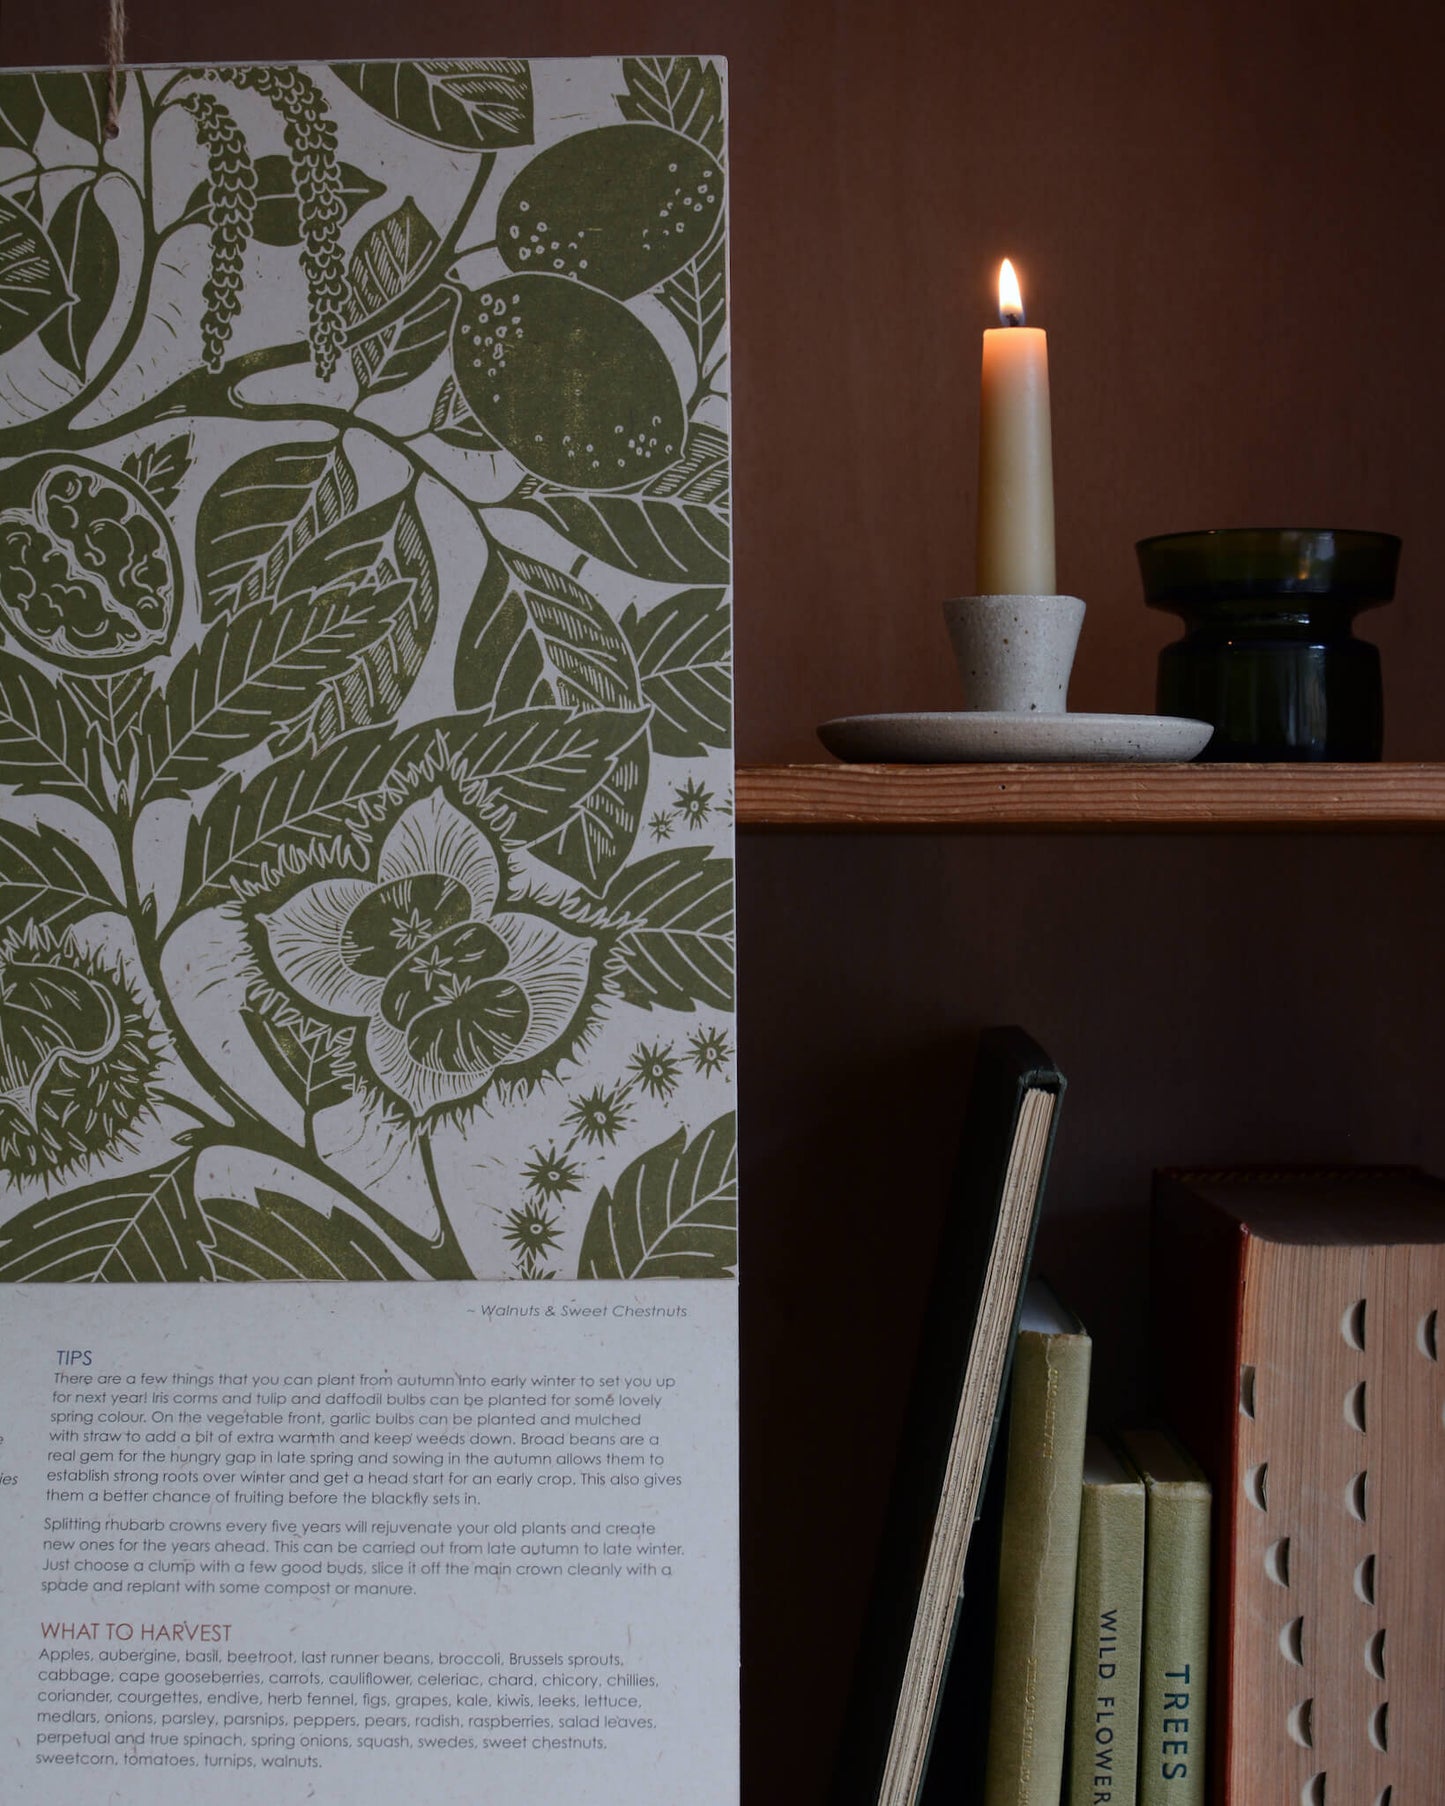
(1093, 798)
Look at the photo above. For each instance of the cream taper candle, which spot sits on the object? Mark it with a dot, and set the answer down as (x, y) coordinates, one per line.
(1015, 455)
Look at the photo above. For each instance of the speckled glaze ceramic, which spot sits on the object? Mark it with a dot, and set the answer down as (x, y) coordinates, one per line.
(1014, 653)
(976, 736)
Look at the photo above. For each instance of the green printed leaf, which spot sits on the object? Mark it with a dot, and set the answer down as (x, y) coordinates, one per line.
(602, 830)
(46, 744)
(697, 298)
(534, 636)
(673, 530)
(313, 807)
(318, 806)
(32, 284)
(277, 219)
(89, 257)
(673, 1213)
(676, 913)
(278, 1237)
(477, 105)
(145, 1227)
(249, 674)
(307, 1056)
(389, 258)
(681, 91)
(22, 112)
(453, 421)
(371, 684)
(683, 652)
(160, 469)
(114, 703)
(45, 879)
(382, 544)
(78, 99)
(380, 557)
(259, 515)
(399, 353)
(547, 766)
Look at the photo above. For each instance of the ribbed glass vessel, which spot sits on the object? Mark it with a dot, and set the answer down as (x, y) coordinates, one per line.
(1269, 653)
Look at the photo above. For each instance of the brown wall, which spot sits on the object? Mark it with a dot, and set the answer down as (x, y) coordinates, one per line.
(1229, 218)
(1228, 215)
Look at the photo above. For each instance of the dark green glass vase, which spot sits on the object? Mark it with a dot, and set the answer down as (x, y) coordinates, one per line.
(1268, 653)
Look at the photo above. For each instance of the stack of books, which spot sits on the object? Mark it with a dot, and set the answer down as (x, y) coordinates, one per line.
(1238, 1609)
(1101, 1643)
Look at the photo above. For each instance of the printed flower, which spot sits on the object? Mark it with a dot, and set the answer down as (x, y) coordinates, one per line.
(655, 1068)
(661, 822)
(453, 985)
(76, 1055)
(599, 1116)
(551, 1174)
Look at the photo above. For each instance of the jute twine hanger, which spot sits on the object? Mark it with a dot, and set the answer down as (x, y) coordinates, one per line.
(115, 58)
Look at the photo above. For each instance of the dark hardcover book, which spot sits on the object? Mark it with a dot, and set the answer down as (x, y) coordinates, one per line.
(951, 1426)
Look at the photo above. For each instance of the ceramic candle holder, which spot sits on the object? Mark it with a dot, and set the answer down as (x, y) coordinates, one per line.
(1014, 653)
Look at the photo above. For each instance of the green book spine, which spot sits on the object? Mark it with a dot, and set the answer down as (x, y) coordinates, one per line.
(1029, 1703)
(1108, 1631)
(1172, 1699)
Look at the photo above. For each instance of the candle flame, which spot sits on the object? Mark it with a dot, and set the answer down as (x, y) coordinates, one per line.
(1010, 300)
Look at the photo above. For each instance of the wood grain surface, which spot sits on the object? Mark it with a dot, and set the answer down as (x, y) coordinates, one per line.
(1087, 798)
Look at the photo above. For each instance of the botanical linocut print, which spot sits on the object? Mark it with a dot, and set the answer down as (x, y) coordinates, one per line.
(366, 897)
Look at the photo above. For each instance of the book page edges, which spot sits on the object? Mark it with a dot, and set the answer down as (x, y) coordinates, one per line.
(923, 1673)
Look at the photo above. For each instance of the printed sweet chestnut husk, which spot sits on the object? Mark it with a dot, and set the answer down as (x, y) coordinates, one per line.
(77, 1055)
(457, 984)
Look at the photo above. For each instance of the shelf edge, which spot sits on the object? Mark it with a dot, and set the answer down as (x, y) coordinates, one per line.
(1114, 798)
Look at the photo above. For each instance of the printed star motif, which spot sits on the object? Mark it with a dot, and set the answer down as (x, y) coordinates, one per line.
(531, 1230)
(599, 1116)
(708, 1050)
(694, 802)
(432, 966)
(551, 1174)
(656, 1069)
(409, 931)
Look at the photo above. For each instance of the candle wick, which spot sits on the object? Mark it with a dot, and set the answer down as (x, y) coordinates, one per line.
(1011, 316)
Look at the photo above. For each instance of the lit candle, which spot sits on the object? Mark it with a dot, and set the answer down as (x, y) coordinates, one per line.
(1015, 455)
